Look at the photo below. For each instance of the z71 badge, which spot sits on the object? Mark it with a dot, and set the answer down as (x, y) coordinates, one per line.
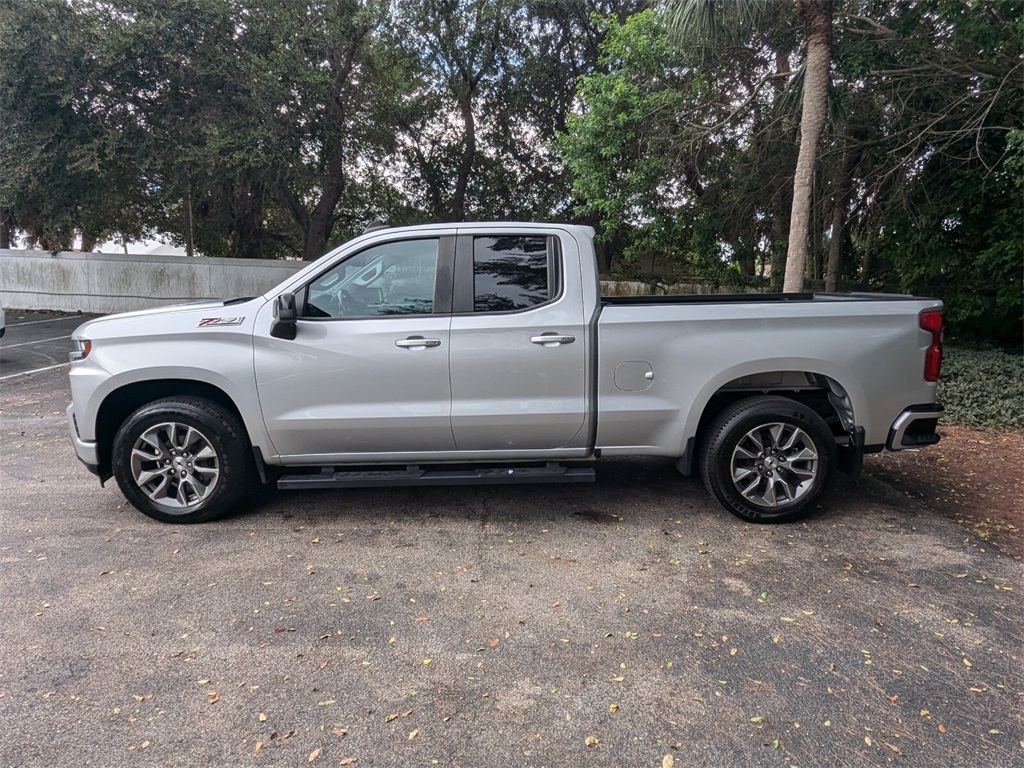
(208, 322)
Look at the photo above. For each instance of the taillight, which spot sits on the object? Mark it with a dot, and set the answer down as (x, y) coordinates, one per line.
(931, 321)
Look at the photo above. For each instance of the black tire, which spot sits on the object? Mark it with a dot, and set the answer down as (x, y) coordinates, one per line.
(768, 459)
(183, 460)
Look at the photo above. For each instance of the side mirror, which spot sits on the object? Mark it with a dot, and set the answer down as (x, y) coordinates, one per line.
(285, 317)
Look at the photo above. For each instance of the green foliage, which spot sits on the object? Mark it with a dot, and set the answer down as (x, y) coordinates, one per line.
(627, 169)
(279, 127)
(983, 387)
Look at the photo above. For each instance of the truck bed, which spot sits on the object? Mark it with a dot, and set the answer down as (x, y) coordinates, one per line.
(752, 298)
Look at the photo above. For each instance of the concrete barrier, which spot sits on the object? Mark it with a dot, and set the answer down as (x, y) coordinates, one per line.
(116, 282)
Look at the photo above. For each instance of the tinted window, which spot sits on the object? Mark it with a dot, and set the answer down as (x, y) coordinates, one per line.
(390, 279)
(509, 273)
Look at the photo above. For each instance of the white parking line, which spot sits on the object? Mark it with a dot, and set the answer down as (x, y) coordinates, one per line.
(37, 370)
(37, 341)
(50, 320)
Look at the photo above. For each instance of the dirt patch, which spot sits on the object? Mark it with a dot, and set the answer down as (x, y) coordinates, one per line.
(973, 476)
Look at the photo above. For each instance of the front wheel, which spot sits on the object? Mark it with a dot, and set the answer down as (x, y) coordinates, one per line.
(182, 460)
(768, 459)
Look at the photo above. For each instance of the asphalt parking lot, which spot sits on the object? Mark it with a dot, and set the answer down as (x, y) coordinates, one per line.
(36, 342)
(627, 623)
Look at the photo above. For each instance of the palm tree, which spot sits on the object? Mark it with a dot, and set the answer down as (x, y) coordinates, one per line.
(706, 22)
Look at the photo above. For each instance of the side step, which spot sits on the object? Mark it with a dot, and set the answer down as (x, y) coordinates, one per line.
(413, 474)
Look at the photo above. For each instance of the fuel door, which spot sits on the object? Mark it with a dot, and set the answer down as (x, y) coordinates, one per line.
(633, 376)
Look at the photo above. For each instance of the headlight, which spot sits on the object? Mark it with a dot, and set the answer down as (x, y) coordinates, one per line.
(81, 351)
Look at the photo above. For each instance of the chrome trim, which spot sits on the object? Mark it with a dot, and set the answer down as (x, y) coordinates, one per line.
(552, 339)
(417, 343)
(902, 424)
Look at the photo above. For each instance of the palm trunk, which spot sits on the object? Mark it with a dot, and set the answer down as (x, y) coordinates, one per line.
(817, 17)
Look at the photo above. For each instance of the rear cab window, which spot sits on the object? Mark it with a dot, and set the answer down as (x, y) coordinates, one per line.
(507, 273)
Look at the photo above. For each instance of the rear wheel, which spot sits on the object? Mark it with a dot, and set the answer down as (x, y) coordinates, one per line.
(768, 459)
(182, 460)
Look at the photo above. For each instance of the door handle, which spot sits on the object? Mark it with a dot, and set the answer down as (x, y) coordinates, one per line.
(417, 342)
(552, 339)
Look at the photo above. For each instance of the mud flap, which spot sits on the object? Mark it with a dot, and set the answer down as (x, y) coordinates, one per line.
(851, 457)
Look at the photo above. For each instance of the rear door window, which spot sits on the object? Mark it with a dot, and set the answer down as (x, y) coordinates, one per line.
(512, 272)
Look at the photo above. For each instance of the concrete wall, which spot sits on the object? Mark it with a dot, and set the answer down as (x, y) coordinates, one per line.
(115, 282)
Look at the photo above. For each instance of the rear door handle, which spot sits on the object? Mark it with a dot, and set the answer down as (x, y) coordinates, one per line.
(552, 339)
(417, 342)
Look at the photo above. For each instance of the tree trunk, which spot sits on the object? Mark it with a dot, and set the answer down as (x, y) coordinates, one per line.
(835, 245)
(839, 200)
(468, 154)
(867, 263)
(247, 224)
(189, 242)
(6, 227)
(817, 18)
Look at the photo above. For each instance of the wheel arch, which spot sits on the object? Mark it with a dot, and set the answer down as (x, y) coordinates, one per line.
(822, 393)
(120, 403)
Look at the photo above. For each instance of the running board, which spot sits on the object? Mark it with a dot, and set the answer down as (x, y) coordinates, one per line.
(416, 475)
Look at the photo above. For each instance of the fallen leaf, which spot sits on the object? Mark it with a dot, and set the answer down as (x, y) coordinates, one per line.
(283, 736)
(347, 761)
(213, 698)
(613, 707)
(262, 717)
(373, 597)
(327, 703)
(591, 741)
(407, 713)
(756, 719)
(422, 618)
(259, 746)
(314, 755)
(893, 747)
(389, 718)
(668, 761)
(867, 740)
(339, 732)
(413, 734)
(495, 641)
(942, 728)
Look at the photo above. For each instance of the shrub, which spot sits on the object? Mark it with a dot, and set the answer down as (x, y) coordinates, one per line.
(982, 387)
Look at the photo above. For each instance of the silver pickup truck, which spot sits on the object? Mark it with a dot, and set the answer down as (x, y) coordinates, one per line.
(484, 353)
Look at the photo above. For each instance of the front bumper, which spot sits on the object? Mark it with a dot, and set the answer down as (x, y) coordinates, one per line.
(86, 451)
(915, 427)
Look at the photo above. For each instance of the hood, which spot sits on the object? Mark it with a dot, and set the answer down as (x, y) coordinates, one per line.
(212, 307)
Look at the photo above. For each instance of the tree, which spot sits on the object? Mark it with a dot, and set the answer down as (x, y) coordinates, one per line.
(702, 21)
(63, 173)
